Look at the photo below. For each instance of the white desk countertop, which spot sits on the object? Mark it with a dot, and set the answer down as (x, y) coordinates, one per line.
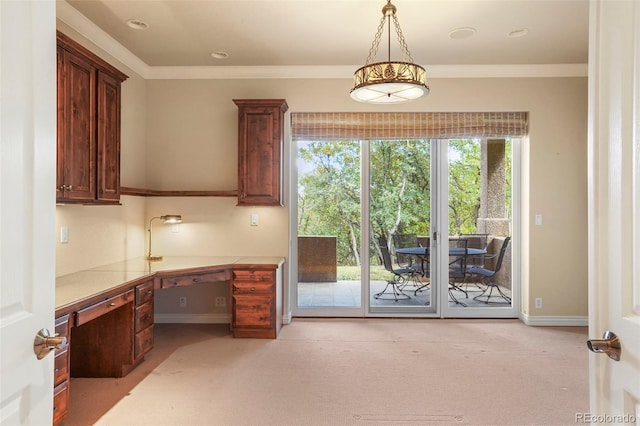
(83, 284)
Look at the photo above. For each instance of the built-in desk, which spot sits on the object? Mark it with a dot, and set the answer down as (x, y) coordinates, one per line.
(106, 313)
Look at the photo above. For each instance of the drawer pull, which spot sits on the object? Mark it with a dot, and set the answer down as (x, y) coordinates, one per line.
(112, 304)
(253, 289)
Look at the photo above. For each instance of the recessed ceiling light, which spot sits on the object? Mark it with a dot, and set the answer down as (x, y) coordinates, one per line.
(463, 32)
(220, 55)
(520, 32)
(137, 24)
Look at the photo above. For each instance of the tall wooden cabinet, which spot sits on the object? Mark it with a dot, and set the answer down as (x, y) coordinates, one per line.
(88, 168)
(260, 139)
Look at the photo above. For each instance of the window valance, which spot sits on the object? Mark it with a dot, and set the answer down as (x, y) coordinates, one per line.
(407, 125)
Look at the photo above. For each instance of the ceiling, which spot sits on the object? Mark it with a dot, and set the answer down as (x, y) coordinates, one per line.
(340, 32)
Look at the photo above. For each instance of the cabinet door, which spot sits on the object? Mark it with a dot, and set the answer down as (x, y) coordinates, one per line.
(76, 128)
(108, 143)
(260, 133)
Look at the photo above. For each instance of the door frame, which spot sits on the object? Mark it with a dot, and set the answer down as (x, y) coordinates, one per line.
(439, 225)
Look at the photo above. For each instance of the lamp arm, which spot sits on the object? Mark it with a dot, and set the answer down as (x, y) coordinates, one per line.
(149, 230)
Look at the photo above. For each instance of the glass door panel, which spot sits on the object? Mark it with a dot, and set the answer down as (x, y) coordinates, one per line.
(328, 229)
(479, 238)
(400, 219)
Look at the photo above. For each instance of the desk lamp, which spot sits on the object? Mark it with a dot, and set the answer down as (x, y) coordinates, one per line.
(167, 218)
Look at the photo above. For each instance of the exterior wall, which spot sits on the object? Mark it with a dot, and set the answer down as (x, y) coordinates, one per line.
(181, 134)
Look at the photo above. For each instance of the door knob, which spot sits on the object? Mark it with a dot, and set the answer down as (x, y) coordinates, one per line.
(45, 343)
(609, 344)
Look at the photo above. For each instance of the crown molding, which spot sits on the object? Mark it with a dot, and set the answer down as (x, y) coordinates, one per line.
(74, 19)
(331, 72)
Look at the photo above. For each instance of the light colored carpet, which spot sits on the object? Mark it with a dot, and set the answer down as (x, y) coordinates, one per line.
(349, 372)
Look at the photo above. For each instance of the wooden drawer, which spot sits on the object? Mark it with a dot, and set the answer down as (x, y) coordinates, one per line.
(253, 311)
(144, 341)
(60, 402)
(61, 363)
(61, 367)
(62, 326)
(184, 280)
(252, 287)
(144, 293)
(97, 309)
(253, 275)
(144, 316)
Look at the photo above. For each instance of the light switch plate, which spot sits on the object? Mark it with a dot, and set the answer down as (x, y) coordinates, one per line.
(538, 219)
(64, 234)
(254, 219)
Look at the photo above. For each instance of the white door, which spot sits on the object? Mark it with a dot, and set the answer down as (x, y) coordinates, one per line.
(27, 207)
(614, 207)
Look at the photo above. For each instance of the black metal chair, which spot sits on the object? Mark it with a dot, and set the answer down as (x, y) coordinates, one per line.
(487, 277)
(479, 241)
(401, 276)
(403, 241)
(457, 268)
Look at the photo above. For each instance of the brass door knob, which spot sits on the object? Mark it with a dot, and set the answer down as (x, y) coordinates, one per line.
(45, 343)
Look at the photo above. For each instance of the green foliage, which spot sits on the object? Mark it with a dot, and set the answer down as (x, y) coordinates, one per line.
(329, 197)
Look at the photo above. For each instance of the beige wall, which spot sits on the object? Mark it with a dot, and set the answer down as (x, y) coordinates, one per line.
(182, 135)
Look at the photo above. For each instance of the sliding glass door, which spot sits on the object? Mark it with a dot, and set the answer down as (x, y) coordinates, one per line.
(399, 193)
(328, 201)
(428, 239)
(477, 247)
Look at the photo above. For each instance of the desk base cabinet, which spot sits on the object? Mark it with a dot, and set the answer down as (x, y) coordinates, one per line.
(61, 372)
(111, 332)
(256, 309)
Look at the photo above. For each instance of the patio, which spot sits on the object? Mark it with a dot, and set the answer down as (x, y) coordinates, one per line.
(347, 294)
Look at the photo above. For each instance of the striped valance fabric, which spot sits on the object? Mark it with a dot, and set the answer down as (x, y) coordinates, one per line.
(407, 125)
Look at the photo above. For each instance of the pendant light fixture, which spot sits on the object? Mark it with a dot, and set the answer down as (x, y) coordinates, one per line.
(389, 82)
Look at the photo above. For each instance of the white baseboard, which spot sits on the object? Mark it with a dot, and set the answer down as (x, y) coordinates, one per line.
(551, 321)
(192, 318)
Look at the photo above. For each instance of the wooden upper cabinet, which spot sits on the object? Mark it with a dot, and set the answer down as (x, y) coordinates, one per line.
(108, 143)
(260, 140)
(88, 169)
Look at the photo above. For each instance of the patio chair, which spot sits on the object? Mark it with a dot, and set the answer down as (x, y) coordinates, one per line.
(457, 268)
(487, 277)
(401, 276)
(402, 241)
(480, 241)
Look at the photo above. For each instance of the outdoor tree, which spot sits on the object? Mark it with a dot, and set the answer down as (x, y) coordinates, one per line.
(329, 196)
